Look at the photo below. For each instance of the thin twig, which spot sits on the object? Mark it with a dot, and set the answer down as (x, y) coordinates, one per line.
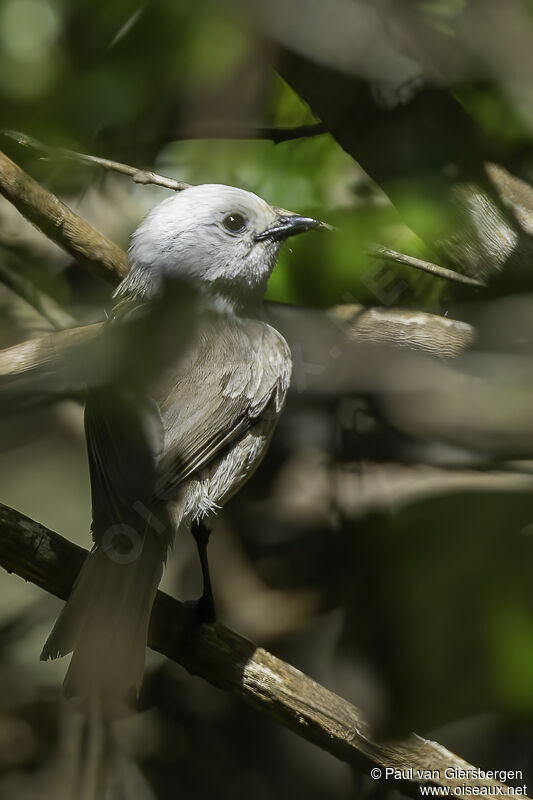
(137, 175)
(230, 662)
(425, 266)
(225, 130)
(90, 248)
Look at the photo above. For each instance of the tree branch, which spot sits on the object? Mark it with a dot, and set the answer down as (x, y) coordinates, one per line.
(91, 249)
(230, 662)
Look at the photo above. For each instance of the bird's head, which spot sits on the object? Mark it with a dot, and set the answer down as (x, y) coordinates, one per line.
(221, 239)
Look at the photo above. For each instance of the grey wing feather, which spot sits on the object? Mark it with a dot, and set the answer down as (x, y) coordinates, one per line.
(238, 369)
(124, 435)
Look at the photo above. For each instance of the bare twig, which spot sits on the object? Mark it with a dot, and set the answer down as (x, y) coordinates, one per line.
(137, 175)
(425, 266)
(230, 662)
(91, 249)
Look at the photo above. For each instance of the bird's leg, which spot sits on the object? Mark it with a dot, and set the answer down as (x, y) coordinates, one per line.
(206, 603)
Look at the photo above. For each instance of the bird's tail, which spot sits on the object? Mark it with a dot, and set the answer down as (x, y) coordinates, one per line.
(105, 621)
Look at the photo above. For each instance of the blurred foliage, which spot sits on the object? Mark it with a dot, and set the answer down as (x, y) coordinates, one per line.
(449, 592)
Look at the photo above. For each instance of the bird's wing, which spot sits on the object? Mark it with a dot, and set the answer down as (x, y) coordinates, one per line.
(105, 621)
(125, 438)
(238, 370)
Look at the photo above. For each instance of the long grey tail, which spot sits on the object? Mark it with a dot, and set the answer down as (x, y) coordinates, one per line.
(105, 622)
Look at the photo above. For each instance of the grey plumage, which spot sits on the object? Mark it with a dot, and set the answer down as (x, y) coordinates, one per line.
(174, 452)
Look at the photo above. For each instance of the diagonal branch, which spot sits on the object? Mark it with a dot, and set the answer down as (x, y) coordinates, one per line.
(426, 266)
(230, 662)
(57, 221)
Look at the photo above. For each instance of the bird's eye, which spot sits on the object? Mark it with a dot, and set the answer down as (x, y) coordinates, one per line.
(234, 222)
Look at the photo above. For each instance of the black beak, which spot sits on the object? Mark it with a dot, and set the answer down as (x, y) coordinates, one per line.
(290, 226)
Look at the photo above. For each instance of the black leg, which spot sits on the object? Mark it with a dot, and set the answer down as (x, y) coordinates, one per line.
(206, 604)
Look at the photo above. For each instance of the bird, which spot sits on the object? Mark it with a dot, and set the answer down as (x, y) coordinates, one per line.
(164, 458)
